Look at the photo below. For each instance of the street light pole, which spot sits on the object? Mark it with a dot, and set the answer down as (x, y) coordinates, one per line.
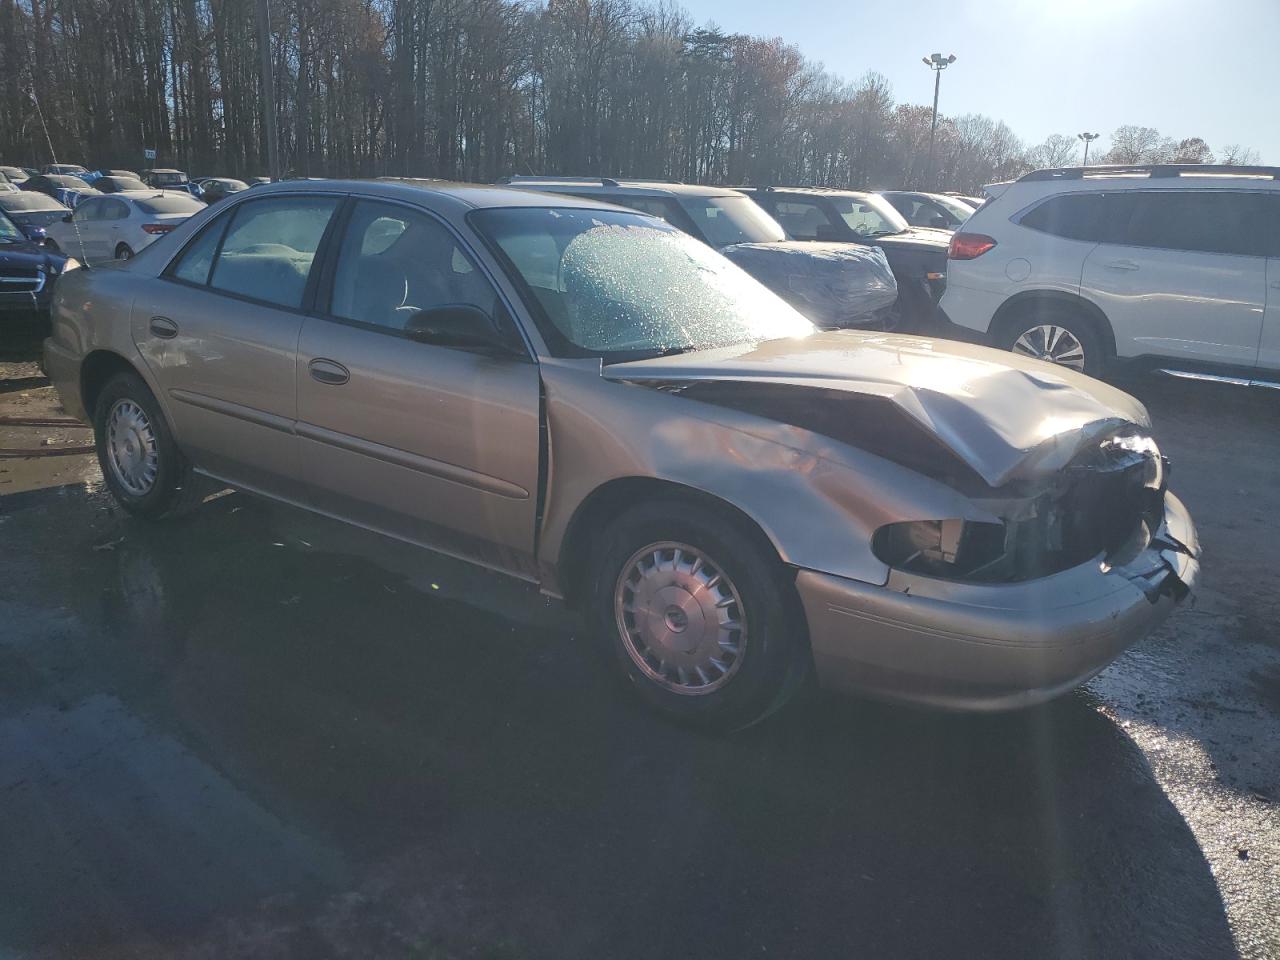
(268, 91)
(937, 63)
(1088, 138)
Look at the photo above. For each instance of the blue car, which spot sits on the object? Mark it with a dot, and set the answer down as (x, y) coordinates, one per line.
(27, 272)
(32, 212)
(64, 188)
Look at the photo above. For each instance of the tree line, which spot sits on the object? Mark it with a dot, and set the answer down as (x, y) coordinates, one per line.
(478, 89)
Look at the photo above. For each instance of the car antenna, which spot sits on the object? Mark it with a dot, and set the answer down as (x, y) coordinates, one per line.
(53, 153)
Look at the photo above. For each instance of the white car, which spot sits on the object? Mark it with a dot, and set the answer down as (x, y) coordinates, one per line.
(1177, 266)
(117, 226)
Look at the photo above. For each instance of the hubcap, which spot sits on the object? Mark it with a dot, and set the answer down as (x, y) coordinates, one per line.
(1050, 342)
(680, 618)
(131, 448)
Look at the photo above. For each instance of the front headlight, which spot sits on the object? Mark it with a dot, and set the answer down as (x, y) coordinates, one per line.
(71, 264)
(947, 548)
(1139, 445)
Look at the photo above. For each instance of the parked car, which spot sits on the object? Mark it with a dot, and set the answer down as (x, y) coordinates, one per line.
(118, 184)
(833, 285)
(972, 202)
(32, 212)
(917, 255)
(118, 226)
(621, 416)
(166, 179)
(258, 181)
(63, 169)
(27, 271)
(219, 188)
(928, 209)
(64, 188)
(14, 174)
(1176, 266)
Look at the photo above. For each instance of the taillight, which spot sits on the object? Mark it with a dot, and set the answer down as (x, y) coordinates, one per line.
(157, 227)
(969, 246)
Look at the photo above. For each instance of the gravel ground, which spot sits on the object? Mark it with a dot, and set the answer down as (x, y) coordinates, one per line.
(256, 733)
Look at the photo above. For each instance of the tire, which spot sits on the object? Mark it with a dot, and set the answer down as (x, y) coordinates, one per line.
(761, 664)
(123, 252)
(168, 487)
(1045, 331)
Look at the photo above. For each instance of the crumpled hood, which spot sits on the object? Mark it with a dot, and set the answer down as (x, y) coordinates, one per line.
(833, 284)
(1007, 417)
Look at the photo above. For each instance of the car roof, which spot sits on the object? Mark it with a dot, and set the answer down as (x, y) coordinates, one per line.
(649, 188)
(814, 191)
(460, 195)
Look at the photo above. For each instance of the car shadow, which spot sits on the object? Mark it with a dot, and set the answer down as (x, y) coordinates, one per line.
(241, 734)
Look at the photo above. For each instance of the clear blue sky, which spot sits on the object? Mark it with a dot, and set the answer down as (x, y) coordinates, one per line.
(1187, 67)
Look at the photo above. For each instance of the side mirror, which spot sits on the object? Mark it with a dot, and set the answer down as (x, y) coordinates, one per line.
(828, 231)
(457, 325)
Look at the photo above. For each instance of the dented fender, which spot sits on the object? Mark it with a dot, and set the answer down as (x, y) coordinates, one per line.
(817, 500)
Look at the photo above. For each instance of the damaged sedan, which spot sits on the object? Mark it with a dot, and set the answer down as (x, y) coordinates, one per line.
(592, 401)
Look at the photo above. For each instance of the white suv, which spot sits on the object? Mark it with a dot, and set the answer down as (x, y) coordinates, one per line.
(1177, 265)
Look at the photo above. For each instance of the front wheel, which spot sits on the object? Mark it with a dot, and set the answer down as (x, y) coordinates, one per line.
(699, 615)
(141, 464)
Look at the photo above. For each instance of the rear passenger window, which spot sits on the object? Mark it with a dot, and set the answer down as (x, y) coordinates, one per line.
(1075, 216)
(269, 248)
(194, 263)
(1205, 221)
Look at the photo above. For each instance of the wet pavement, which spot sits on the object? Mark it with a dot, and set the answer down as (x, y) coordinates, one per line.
(255, 733)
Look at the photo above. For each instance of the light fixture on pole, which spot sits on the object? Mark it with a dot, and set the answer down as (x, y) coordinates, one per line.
(1088, 138)
(937, 63)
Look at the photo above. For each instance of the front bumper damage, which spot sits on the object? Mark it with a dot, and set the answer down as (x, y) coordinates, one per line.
(994, 646)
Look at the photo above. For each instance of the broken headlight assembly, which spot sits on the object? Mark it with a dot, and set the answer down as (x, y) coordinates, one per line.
(1139, 447)
(953, 549)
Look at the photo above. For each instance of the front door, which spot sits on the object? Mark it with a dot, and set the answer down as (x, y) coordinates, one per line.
(1180, 275)
(219, 332)
(437, 445)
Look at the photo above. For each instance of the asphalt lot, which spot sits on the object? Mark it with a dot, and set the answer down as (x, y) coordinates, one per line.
(254, 733)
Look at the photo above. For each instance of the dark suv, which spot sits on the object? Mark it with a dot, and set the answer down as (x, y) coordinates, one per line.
(918, 255)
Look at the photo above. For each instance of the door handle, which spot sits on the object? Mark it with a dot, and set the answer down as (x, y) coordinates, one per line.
(164, 328)
(1125, 265)
(327, 371)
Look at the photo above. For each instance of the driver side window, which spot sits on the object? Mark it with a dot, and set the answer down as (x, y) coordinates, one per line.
(395, 262)
(87, 211)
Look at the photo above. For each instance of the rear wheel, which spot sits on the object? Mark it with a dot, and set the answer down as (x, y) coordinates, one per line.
(698, 616)
(141, 464)
(123, 252)
(1057, 335)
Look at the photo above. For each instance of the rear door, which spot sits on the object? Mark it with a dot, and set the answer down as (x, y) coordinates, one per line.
(219, 332)
(1181, 274)
(437, 445)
